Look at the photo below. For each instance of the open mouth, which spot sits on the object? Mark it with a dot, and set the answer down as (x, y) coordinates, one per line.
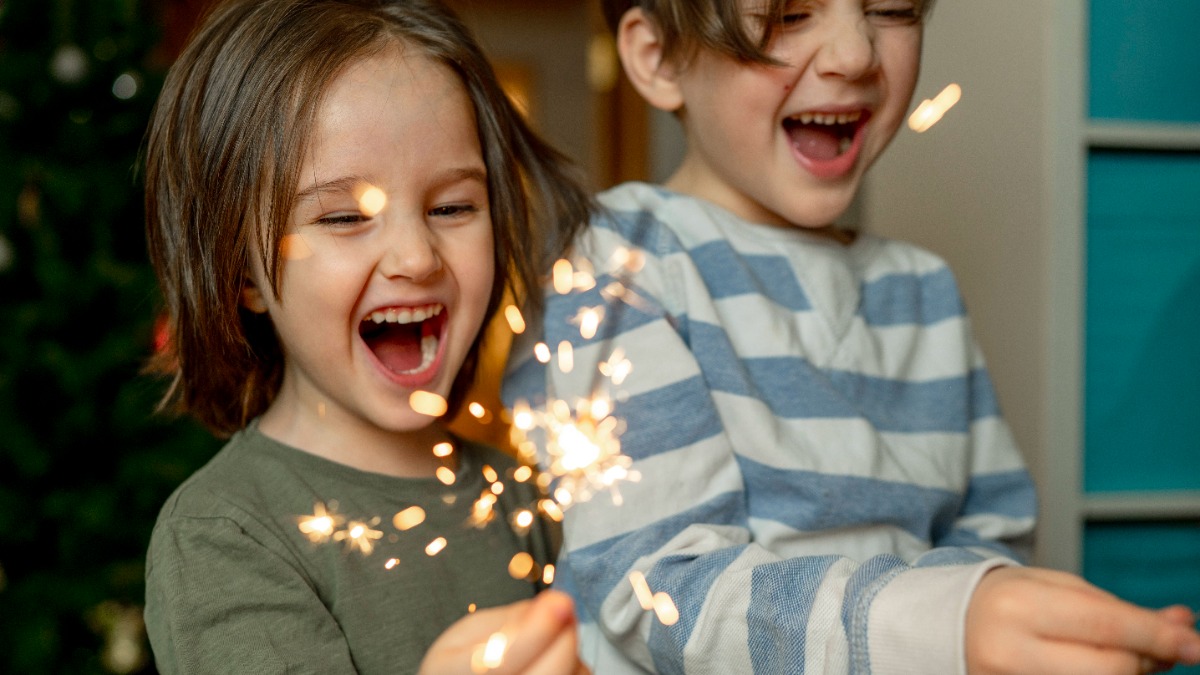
(404, 339)
(822, 137)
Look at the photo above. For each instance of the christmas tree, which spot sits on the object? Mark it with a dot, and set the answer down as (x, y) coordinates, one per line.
(85, 463)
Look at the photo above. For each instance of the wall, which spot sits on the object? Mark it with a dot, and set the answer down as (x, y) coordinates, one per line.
(974, 190)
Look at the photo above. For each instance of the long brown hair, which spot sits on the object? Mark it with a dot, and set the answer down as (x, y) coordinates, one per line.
(223, 154)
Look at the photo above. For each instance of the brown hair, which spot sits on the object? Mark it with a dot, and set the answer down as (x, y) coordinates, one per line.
(223, 154)
(716, 25)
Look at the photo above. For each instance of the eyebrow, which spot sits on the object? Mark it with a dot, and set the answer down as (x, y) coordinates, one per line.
(349, 183)
(342, 184)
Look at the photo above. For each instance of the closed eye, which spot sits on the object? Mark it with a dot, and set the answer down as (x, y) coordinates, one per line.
(337, 220)
(453, 210)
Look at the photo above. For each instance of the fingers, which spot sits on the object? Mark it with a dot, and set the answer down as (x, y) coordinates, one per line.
(561, 658)
(1178, 614)
(1115, 624)
(543, 633)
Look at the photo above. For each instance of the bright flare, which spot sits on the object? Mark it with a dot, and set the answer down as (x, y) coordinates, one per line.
(372, 200)
(409, 518)
(516, 322)
(930, 112)
(427, 403)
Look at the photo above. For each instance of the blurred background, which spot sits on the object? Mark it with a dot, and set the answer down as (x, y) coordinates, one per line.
(1061, 188)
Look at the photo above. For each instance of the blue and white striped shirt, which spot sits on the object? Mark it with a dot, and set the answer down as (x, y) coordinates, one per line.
(825, 474)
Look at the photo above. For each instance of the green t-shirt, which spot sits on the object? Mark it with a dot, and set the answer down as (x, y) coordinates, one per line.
(234, 585)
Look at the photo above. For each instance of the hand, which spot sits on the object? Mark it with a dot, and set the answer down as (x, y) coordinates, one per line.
(1042, 622)
(541, 640)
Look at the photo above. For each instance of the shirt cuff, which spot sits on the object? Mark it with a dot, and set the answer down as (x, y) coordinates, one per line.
(916, 624)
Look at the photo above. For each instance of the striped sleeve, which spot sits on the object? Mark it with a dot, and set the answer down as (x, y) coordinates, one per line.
(815, 496)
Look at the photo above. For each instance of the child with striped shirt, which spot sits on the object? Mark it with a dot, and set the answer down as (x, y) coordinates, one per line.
(827, 484)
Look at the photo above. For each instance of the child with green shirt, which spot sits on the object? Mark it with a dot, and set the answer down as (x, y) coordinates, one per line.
(337, 195)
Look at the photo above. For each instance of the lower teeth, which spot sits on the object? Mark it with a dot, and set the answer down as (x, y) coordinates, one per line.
(429, 347)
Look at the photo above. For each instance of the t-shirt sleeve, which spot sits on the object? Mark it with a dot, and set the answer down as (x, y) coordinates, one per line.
(218, 600)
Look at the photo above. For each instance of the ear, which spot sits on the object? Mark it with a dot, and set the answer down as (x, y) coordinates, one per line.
(252, 297)
(640, 46)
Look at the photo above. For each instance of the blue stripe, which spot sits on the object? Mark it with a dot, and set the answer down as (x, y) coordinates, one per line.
(667, 418)
(1007, 493)
(728, 273)
(947, 405)
(561, 322)
(794, 389)
(781, 600)
(598, 568)
(861, 589)
(641, 229)
(900, 299)
(809, 501)
(687, 579)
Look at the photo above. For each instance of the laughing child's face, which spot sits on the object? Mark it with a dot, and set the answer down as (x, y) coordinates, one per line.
(788, 145)
(388, 260)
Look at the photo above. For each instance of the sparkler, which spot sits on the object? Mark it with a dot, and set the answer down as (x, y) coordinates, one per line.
(581, 442)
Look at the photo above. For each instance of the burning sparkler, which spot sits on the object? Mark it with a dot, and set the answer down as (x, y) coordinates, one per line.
(581, 442)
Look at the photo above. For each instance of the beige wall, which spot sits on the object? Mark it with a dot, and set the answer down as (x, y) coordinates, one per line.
(973, 189)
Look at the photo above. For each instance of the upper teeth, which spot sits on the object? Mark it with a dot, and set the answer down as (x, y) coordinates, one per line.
(828, 118)
(406, 314)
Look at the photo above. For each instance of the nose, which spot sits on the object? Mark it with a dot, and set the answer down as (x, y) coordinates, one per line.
(847, 48)
(410, 251)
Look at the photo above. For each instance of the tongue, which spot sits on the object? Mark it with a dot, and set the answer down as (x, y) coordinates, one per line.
(816, 142)
(398, 347)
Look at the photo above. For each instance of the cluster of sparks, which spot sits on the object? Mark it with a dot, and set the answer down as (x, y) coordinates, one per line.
(579, 442)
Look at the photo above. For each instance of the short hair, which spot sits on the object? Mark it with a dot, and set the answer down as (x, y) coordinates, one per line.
(717, 25)
(222, 161)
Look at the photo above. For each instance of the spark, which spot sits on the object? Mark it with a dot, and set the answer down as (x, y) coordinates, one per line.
(409, 518)
(588, 319)
(471, 608)
(483, 510)
(497, 488)
(566, 357)
(445, 474)
(320, 526)
(490, 474)
(548, 574)
(582, 448)
(523, 473)
(516, 322)
(443, 449)
(491, 654)
(427, 403)
(930, 112)
(541, 352)
(359, 535)
(665, 610)
(520, 566)
(617, 367)
(391, 563)
(523, 419)
(477, 410)
(641, 590)
(564, 276)
(372, 200)
(523, 518)
(551, 509)
(435, 547)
